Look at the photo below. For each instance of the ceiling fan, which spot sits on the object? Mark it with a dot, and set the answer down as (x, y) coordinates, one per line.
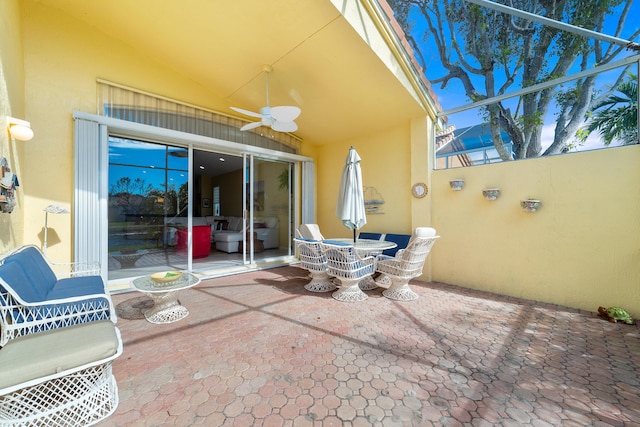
(280, 119)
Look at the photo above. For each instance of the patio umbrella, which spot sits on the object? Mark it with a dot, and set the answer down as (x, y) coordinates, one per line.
(350, 208)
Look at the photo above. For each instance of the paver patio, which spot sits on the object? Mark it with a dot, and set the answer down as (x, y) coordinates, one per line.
(257, 349)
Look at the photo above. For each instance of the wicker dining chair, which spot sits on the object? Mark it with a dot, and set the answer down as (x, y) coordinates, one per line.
(344, 263)
(313, 260)
(406, 264)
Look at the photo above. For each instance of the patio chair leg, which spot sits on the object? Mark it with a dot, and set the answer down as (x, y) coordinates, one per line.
(349, 291)
(399, 290)
(383, 280)
(320, 282)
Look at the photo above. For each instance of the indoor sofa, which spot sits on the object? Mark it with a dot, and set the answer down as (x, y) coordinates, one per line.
(229, 233)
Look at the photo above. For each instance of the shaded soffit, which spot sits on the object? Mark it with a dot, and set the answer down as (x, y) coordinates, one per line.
(319, 62)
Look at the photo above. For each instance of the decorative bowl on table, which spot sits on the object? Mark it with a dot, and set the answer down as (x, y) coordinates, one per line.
(166, 276)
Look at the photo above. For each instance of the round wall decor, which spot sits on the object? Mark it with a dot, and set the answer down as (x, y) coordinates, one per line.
(419, 190)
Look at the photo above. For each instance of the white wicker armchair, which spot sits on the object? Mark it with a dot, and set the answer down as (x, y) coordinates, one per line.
(406, 264)
(313, 260)
(344, 263)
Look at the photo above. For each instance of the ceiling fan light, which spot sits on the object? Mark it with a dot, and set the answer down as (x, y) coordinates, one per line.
(279, 119)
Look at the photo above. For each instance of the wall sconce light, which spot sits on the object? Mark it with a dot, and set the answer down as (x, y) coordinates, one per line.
(530, 205)
(19, 129)
(491, 193)
(456, 184)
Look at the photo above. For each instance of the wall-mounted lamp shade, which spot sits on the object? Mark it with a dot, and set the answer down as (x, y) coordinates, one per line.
(19, 129)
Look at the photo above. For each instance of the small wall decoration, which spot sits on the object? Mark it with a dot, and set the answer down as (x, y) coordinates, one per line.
(419, 190)
(8, 184)
(206, 203)
(373, 201)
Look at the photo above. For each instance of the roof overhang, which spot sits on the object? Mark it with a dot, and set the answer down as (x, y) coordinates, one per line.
(342, 62)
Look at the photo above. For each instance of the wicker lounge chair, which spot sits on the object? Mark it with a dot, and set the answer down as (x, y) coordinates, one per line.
(34, 299)
(406, 264)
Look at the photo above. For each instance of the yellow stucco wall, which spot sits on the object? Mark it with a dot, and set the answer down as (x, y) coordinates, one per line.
(580, 249)
(74, 56)
(12, 103)
(379, 154)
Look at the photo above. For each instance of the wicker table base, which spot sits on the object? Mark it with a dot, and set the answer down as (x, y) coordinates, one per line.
(166, 306)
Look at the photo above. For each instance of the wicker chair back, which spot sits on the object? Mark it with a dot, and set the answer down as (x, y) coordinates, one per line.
(311, 256)
(343, 262)
(310, 231)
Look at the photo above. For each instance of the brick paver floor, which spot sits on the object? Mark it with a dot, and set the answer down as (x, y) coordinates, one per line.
(257, 349)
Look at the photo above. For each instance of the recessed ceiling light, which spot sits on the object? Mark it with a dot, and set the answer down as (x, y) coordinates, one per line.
(221, 159)
(201, 167)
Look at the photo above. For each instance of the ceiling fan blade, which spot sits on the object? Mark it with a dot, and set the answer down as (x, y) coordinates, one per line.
(285, 113)
(251, 126)
(247, 112)
(284, 126)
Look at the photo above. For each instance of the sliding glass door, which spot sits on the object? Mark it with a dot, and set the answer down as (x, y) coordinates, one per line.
(170, 207)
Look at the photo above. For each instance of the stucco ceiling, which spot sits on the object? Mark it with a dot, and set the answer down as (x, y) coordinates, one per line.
(319, 62)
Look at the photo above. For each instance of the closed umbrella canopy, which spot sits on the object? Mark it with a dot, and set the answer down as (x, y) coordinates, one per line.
(350, 208)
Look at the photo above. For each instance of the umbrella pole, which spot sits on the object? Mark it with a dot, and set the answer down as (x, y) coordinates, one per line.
(354, 236)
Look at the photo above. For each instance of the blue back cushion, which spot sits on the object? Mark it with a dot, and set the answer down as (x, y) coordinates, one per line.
(21, 284)
(401, 240)
(28, 273)
(370, 236)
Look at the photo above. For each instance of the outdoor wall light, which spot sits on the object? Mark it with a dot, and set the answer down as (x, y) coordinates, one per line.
(456, 184)
(491, 193)
(530, 205)
(19, 129)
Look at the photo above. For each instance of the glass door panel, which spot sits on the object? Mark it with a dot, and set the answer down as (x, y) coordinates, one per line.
(147, 207)
(271, 209)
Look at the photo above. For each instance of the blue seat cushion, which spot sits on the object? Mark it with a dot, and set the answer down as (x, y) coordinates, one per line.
(336, 243)
(76, 286)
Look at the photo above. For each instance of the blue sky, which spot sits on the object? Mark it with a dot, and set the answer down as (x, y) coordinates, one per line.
(454, 95)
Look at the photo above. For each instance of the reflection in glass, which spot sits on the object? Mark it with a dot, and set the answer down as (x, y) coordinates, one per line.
(148, 185)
